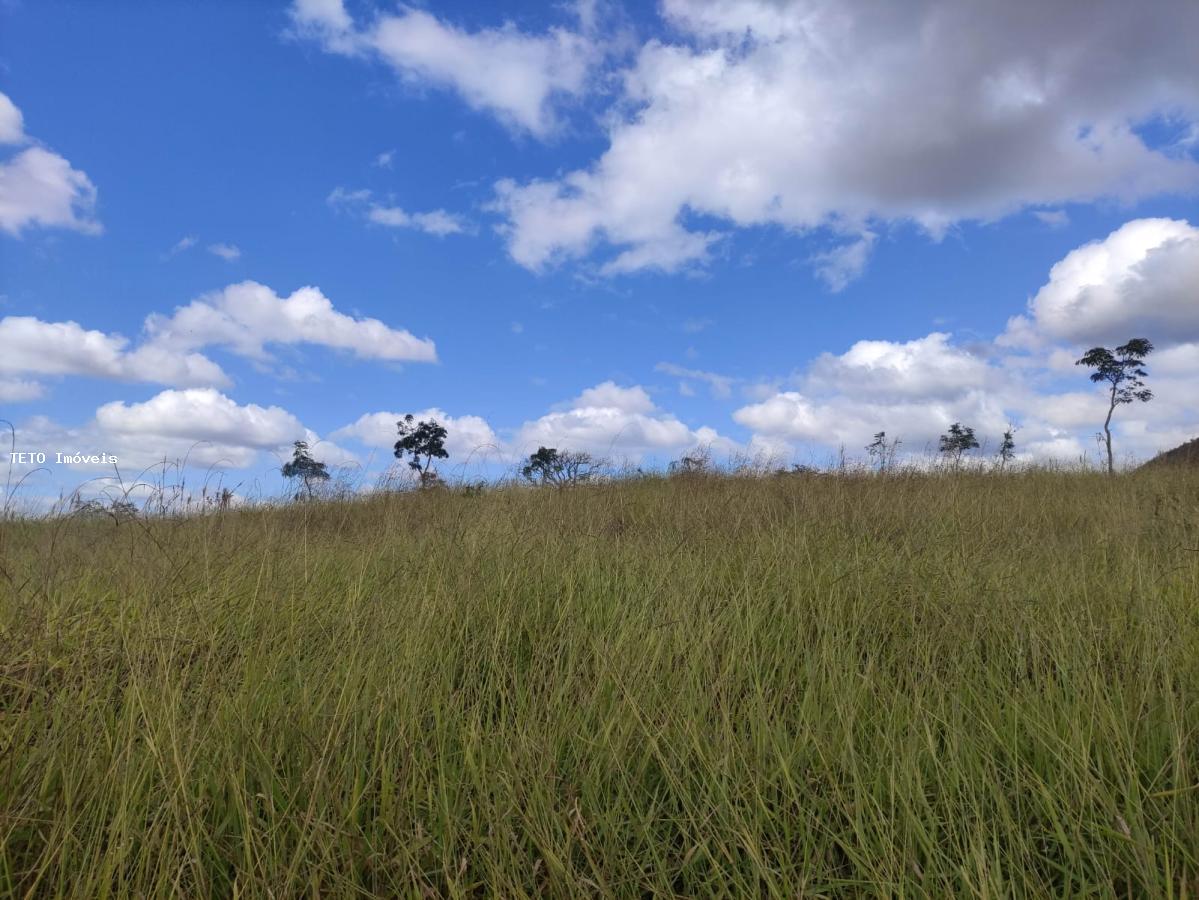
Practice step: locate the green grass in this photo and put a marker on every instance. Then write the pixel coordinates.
(924, 686)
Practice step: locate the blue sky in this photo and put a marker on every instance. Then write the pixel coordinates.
(770, 227)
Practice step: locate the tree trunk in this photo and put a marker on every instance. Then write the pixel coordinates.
(1107, 433)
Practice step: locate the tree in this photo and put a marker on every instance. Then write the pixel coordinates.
(305, 468)
(696, 462)
(1123, 370)
(123, 510)
(1007, 449)
(559, 467)
(421, 439)
(882, 452)
(958, 440)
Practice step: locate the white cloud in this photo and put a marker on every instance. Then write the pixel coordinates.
(843, 264)
(929, 367)
(503, 71)
(34, 347)
(201, 414)
(610, 395)
(16, 390)
(720, 385)
(1139, 281)
(244, 318)
(38, 187)
(184, 243)
(325, 14)
(227, 252)
(913, 390)
(438, 222)
(328, 22)
(722, 19)
(613, 421)
(1054, 218)
(850, 421)
(819, 114)
(203, 427)
(12, 123)
(467, 437)
(384, 159)
(248, 316)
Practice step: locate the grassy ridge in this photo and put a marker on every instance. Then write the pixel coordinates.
(799, 686)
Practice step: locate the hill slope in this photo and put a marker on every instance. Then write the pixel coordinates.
(1183, 455)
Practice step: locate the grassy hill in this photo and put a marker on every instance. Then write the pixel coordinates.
(1183, 455)
(795, 686)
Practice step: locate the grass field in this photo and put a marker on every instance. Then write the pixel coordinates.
(922, 686)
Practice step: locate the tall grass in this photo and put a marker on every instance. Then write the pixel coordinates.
(932, 685)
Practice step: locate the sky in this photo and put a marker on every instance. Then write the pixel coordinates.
(769, 227)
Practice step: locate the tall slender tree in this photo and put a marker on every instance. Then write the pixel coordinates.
(882, 451)
(1007, 449)
(1123, 371)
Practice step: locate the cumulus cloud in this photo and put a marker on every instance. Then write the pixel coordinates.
(247, 317)
(504, 71)
(243, 318)
(38, 187)
(611, 420)
(606, 419)
(12, 123)
(819, 114)
(610, 395)
(915, 389)
(1139, 281)
(200, 425)
(438, 222)
(926, 367)
(34, 347)
(201, 414)
(466, 436)
(849, 421)
(18, 390)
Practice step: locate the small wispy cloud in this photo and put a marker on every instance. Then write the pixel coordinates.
(184, 243)
(227, 252)
(1054, 218)
(436, 222)
(720, 385)
(842, 265)
(384, 159)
